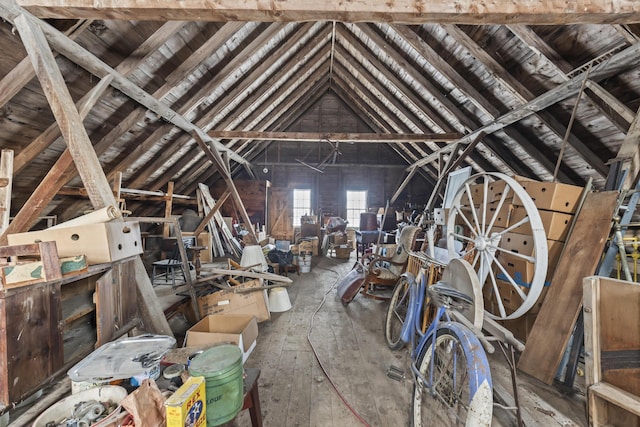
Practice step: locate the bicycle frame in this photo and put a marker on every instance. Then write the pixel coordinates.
(478, 379)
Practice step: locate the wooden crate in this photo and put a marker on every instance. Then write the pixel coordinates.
(612, 350)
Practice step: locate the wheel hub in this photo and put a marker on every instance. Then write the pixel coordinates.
(481, 243)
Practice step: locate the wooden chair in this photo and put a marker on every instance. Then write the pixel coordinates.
(385, 271)
(166, 269)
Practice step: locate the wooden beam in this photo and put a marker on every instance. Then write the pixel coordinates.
(401, 11)
(200, 228)
(204, 142)
(22, 73)
(46, 138)
(613, 104)
(67, 116)
(6, 173)
(335, 136)
(629, 153)
(402, 186)
(565, 71)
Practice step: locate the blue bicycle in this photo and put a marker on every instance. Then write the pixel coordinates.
(452, 379)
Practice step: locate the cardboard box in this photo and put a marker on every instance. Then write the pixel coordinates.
(522, 243)
(496, 188)
(511, 300)
(187, 405)
(226, 301)
(556, 224)
(503, 218)
(552, 196)
(239, 329)
(477, 194)
(308, 245)
(343, 252)
(101, 243)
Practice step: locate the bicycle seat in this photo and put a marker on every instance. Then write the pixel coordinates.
(443, 295)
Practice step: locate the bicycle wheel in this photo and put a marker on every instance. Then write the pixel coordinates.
(397, 313)
(461, 391)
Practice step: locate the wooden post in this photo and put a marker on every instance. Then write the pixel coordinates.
(167, 208)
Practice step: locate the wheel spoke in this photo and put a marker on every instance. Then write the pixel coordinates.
(473, 211)
(529, 258)
(516, 225)
(503, 198)
(485, 191)
(494, 283)
(462, 237)
(510, 279)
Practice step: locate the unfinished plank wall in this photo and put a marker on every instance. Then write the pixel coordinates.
(329, 186)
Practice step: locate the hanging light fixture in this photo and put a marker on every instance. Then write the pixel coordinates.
(265, 169)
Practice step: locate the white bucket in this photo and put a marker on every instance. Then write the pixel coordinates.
(279, 300)
(305, 263)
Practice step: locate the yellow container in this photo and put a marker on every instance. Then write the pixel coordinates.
(187, 406)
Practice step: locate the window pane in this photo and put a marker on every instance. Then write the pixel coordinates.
(301, 205)
(356, 204)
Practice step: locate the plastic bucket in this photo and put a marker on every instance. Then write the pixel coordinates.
(305, 263)
(221, 367)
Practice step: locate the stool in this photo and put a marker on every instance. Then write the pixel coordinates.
(252, 397)
(290, 268)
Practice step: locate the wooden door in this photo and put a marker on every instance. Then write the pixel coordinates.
(281, 213)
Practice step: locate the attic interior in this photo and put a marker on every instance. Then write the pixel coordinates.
(317, 162)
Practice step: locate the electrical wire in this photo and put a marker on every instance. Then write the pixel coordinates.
(315, 353)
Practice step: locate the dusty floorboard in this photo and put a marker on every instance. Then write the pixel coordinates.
(349, 342)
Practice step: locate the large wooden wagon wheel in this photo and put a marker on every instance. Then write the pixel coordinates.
(472, 222)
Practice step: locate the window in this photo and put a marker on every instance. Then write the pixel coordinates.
(301, 205)
(356, 204)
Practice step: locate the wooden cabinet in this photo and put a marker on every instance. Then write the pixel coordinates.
(31, 347)
(47, 327)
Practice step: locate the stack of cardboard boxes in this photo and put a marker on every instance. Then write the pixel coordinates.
(556, 204)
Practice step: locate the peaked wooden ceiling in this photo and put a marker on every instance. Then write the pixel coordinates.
(143, 87)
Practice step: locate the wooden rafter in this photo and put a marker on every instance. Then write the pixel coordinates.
(211, 118)
(22, 73)
(251, 104)
(67, 116)
(561, 68)
(334, 136)
(97, 67)
(143, 174)
(472, 94)
(519, 91)
(447, 107)
(126, 67)
(625, 59)
(348, 35)
(431, 117)
(402, 11)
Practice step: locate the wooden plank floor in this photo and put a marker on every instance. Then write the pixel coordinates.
(350, 343)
